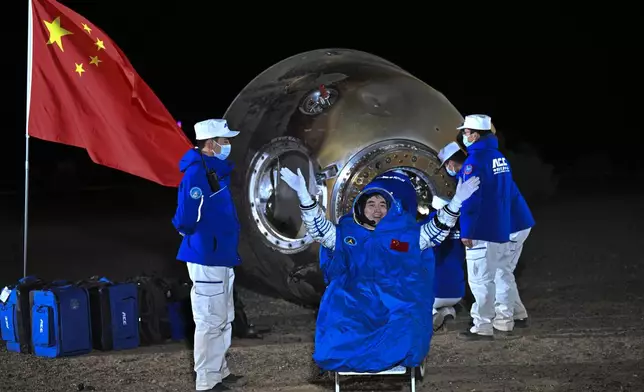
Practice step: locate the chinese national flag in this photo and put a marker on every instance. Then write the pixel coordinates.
(85, 93)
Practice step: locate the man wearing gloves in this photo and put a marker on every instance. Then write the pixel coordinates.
(485, 220)
(207, 220)
(374, 313)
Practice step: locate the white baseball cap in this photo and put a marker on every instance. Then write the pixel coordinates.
(446, 152)
(439, 202)
(209, 129)
(479, 122)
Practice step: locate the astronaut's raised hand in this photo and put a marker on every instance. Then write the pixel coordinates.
(298, 184)
(463, 192)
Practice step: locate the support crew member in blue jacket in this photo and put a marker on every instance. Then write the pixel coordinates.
(509, 309)
(449, 277)
(485, 220)
(452, 157)
(207, 220)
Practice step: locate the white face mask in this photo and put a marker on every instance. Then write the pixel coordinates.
(467, 142)
(225, 151)
(450, 172)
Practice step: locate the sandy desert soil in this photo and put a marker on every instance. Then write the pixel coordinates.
(581, 278)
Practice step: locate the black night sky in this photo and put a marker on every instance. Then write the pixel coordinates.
(564, 81)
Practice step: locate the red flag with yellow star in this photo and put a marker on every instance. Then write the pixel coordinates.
(85, 93)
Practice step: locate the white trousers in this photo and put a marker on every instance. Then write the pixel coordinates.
(483, 260)
(490, 270)
(443, 302)
(508, 302)
(213, 311)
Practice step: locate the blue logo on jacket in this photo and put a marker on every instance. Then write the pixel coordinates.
(350, 240)
(196, 192)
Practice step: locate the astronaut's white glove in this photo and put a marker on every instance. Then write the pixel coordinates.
(298, 184)
(463, 192)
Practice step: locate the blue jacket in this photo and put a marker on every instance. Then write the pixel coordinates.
(485, 216)
(520, 214)
(208, 220)
(376, 312)
(448, 258)
(449, 278)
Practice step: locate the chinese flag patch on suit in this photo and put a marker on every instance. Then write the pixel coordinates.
(399, 246)
(84, 92)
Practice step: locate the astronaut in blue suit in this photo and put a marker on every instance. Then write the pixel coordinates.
(374, 313)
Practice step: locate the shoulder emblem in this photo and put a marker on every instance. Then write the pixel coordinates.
(500, 165)
(350, 241)
(196, 192)
(468, 169)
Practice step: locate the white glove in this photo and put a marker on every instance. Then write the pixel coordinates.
(298, 184)
(463, 192)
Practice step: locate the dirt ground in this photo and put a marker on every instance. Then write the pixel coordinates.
(581, 278)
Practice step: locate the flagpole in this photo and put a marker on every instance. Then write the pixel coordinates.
(30, 43)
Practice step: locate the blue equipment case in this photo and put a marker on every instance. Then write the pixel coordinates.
(177, 321)
(15, 315)
(60, 321)
(114, 312)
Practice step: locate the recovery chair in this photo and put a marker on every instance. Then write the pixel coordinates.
(415, 374)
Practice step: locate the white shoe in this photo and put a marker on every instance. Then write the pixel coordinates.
(503, 325)
(450, 312)
(443, 315)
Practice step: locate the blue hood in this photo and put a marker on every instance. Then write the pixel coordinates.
(400, 187)
(192, 157)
